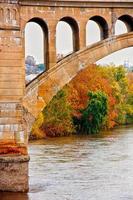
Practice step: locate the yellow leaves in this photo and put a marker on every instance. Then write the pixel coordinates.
(36, 131)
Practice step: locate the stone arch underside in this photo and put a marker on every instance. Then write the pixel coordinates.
(44, 27)
(42, 89)
(103, 26)
(128, 21)
(75, 31)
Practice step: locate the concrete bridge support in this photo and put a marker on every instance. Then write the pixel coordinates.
(13, 148)
(13, 138)
(14, 173)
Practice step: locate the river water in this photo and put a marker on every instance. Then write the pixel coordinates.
(81, 168)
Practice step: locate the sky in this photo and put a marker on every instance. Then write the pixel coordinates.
(34, 42)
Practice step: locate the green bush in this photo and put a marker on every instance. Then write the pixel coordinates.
(94, 115)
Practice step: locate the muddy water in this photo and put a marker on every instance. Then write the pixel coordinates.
(81, 168)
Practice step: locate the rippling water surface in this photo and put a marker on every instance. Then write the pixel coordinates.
(81, 168)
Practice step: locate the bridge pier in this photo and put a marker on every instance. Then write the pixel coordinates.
(14, 173)
(13, 131)
(14, 157)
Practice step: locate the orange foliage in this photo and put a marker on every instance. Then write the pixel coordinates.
(91, 79)
(130, 79)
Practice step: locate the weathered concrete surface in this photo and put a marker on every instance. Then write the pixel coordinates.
(14, 173)
(13, 136)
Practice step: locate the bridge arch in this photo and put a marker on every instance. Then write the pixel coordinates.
(127, 21)
(75, 31)
(42, 24)
(14, 97)
(41, 90)
(102, 24)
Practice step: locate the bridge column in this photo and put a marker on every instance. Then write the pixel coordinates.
(112, 23)
(82, 34)
(13, 138)
(52, 44)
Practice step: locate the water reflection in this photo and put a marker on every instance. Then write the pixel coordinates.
(82, 167)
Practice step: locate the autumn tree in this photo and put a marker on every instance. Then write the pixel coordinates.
(57, 116)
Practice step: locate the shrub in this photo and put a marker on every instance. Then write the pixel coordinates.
(93, 116)
(57, 116)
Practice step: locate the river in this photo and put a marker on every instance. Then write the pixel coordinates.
(81, 168)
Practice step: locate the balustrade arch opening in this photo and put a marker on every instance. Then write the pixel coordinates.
(96, 30)
(124, 24)
(36, 48)
(67, 37)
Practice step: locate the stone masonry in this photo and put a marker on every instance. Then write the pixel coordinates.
(20, 105)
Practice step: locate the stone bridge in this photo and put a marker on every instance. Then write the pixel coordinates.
(20, 105)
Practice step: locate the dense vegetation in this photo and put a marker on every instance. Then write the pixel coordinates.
(98, 97)
(58, 116)
(94, 115)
